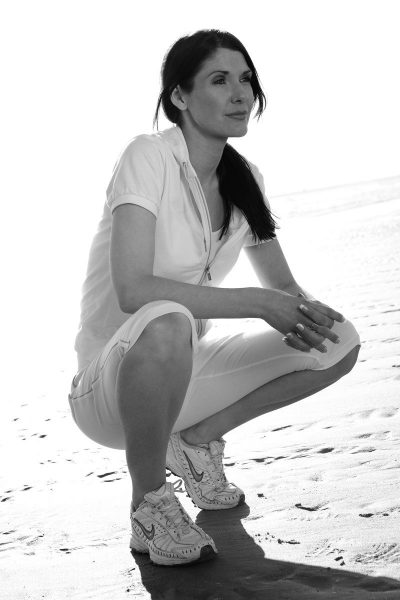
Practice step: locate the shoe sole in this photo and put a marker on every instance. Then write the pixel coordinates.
(206, 553)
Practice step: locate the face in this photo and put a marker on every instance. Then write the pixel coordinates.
(221, 89)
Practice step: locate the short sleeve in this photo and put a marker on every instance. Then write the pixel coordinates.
(249, 239)
(138, 176)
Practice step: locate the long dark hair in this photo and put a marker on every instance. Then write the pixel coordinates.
(237, 184)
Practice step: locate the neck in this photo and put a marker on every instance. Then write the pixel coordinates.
(204, 153)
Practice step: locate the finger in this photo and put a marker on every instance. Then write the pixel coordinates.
(316, 316)
(329, 312)
(327, 333)
(308, 333)
(293, 340)
(312, 338)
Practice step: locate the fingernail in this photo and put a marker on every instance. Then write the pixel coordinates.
(300, 326)
(303, 307)
(284, 339)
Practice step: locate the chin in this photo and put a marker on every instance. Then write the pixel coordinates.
(238, 132)
(228, 132)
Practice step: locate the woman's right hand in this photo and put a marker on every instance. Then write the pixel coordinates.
(304, 323)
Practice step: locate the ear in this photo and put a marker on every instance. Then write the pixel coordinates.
(178, 99)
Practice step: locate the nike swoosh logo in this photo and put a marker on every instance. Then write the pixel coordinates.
(197, 476)
(149, 533)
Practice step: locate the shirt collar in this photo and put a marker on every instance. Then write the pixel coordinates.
(175, 139)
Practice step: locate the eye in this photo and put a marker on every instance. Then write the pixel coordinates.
(219, 81)
(247, 78)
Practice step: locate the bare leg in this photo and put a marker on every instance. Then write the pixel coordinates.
(151, 385)
(275, 394)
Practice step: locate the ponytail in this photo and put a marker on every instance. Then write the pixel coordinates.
(238, 187)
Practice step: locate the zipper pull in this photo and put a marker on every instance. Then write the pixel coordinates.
(208, 274)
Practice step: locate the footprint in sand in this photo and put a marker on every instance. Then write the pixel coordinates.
(365, 413)
(300, 453)
(381, 513)
(304, 426)
(311, 508)
(365, 449)
(267, 459)
(379, 435)
(22, 541)
(325, 548)
(108, 475)
(272, 538)
(379, 553)
(389, 412)
(280, 428)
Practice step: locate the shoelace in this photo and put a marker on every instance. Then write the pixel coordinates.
(174, 513)
(215, 460)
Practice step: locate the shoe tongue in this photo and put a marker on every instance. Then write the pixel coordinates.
(163, 492)
(216, 446)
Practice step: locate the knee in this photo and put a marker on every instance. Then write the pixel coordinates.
(344, 366)
(166, 337)
(348, 335)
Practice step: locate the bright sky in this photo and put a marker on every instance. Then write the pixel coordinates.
(81, 77)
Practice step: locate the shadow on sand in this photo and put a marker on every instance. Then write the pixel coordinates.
(241, 570)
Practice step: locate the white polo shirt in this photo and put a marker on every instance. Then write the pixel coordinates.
(154, 172)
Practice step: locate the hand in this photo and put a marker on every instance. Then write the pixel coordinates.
(312, 334)
(284, 312)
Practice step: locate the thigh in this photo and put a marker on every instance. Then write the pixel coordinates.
(93, 400)
(228, 367)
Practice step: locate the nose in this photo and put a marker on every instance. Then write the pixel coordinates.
(238, 94)
(239, 97)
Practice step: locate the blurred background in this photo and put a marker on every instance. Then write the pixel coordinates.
(81, 78)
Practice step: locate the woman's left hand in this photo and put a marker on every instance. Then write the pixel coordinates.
(305, 337)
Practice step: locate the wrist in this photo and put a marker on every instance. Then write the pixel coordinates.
(295, 290)
(257, 302)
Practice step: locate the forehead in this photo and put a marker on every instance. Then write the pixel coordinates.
(224, 59)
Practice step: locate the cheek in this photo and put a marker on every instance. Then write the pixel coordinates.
(210, 106)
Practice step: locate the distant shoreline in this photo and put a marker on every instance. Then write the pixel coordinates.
(384, 181)
(321, 201)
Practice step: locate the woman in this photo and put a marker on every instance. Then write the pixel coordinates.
(154, 378)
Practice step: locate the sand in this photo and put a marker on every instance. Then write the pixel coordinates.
(322, 477)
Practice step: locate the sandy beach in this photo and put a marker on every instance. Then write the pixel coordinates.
(322, 477)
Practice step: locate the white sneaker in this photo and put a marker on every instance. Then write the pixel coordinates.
(202, 471)
(162, 528)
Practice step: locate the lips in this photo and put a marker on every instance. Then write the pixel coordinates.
(238, 117)
(237, 114)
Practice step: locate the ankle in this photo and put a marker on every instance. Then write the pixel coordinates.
(194, 436)
(138, 495)
(136, 501)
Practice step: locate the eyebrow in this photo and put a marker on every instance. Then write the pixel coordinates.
(247, 72)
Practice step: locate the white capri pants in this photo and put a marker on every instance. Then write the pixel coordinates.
(226, 367)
